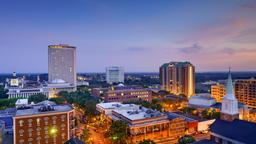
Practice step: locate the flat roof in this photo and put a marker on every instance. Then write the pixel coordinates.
(204, 97)
(175, 115)
(138, 113)
(115, 105)
(61, 46)
(34, 110)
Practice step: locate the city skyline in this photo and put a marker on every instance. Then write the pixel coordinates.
(138, 35)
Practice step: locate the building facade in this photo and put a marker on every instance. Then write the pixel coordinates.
(114, 75)
(126, 95)
(145, 123)
(178, 78)
(44, 123)
(218, 91)
(245, 91)
(21, 88)
(62, 63)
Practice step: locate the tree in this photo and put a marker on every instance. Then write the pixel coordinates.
(58, 100)
(37, 98)
(118, 132)
(186, 140)
(7, 103)
(147, 142)
(85, 135)
(3, 92)
(210, 114)
(81, 99)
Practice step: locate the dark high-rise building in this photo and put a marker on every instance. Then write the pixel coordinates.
(178, 78)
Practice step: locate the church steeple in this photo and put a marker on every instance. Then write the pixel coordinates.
(229, 108)
(229, 87)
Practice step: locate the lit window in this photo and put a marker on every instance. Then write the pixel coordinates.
(38, 121)
(21, 122)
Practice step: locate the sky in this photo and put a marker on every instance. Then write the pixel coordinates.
(139, 35)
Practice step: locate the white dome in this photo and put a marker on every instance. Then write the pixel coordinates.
(58, 81)
(120, 85)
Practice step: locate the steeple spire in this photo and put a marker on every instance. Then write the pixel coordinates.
(229, 87)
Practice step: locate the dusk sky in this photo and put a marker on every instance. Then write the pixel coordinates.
(139, 35)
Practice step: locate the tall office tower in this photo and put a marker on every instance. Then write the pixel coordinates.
(218, 91)
(114, 75)
(245, 91)
(62, 63)
(178, 78)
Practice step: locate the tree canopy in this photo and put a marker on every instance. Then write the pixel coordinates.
(3, 92)
(147, 142)
(118, 132)
(37, 98)
(186, 140)
(7, 103)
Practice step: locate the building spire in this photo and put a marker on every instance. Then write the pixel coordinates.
(229, 87)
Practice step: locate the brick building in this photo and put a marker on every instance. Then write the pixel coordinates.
(43, 123)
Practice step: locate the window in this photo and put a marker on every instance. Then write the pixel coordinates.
(30, 122)
(38, 121)
(21, 123)
(21, 132)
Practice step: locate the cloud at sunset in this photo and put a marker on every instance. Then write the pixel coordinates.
(206, 33)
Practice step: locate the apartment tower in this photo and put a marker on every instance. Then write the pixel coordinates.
(245, 91)
(178, 78)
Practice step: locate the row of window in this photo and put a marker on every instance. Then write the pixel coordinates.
(40, 120)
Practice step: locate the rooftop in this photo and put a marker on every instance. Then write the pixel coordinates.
(138, 113)
(238, 130)
(204, 97)
(111, 105)
(61, 46)
(43, 108)
(175, 115)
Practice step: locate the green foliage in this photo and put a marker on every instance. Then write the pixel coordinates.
(187, 110)
(58, 100)
(81, 99)
(118, 132)
(37, 98)
(3, 92)
(210, 114)
(186, 140)
(7, 103)
(85, 135)
(147, 142)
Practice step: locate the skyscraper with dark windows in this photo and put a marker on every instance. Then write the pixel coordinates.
(178, 78)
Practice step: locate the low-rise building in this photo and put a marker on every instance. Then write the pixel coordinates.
(144, 123)
(22, 88)
(123, 94)
(202, 100)
(43, 123)
(59, 85)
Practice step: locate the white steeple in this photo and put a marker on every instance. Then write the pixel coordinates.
(229, 101)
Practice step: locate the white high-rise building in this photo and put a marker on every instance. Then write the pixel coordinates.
(114, 75)
(62, 64)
